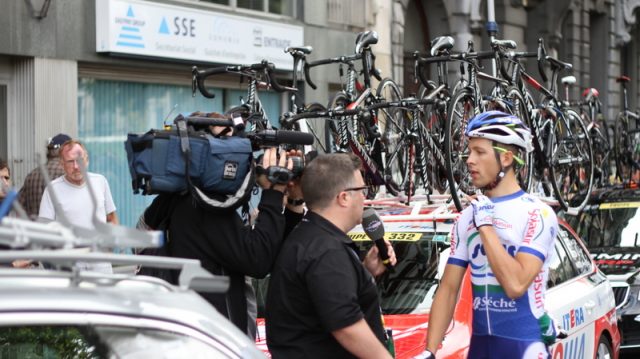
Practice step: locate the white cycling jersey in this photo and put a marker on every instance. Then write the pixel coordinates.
(523, 224)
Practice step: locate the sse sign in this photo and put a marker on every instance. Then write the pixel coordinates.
(141, 28)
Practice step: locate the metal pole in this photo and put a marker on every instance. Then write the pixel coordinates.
(492, 30)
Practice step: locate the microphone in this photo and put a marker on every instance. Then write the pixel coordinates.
(277, 137)
(373, 227)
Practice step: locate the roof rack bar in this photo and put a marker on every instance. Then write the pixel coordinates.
(20, 233)
(192, 275)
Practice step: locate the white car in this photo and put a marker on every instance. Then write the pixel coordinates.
(64, 312)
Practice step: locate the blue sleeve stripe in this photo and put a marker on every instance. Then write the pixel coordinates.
(532, 251)
(458, 262)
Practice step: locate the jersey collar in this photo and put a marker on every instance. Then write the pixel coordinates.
(508, 197)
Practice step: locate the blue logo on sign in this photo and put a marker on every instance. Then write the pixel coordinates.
(130, 31)
(164, 28)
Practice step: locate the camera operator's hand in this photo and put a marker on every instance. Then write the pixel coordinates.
(270, 162)
(294, 200)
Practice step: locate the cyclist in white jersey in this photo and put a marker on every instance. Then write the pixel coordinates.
(506, 238)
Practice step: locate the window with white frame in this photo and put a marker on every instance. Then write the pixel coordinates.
(278, 7)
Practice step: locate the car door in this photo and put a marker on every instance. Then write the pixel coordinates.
(575, 297)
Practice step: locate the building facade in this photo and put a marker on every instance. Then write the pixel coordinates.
(98, 69)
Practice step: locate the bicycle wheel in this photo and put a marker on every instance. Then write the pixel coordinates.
(461, 110)
(571, 160)
(393, 123)
(333, 141)
(622, 148)
(433, 123)
(602, 153)
(518, 107)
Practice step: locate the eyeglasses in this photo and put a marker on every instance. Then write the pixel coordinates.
(364, 189)
(72, 162)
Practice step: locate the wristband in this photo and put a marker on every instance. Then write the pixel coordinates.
(295, 202)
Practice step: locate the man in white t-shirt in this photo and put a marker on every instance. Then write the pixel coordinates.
(72, 192)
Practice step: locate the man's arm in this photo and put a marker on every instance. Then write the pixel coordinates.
(443, 305)
(515, 274)
(360, 341)
(112, 218)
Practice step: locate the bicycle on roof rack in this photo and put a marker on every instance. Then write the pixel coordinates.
(626, 138)
(373, 133)
(562, 148)
(260, 75)
(445, 124)
(299, 54)
(591, 114)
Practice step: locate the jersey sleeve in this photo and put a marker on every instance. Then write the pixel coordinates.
(540, 232)
(47, 210)
(459, 252)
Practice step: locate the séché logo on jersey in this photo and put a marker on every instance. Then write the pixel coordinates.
(532, 224)
(478, 250)
(494, 304)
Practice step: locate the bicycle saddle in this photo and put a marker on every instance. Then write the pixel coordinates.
(623, 78)
(441, 44)
(304, 49)
(364, 39)
(568, 80)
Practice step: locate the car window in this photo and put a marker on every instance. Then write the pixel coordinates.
(608, 225)
(560, 267)
(49, 341)
(575, 251)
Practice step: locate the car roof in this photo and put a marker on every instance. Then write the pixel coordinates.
(134, 297)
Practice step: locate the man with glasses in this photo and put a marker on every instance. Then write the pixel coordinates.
(31, 192)
(72, 193)
(322, 300)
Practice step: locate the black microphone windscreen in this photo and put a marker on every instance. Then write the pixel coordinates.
(294, 137)
(372, 224)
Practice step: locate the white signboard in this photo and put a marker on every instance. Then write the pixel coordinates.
(159, 30)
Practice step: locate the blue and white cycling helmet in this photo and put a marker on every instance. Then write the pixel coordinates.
(502, 128)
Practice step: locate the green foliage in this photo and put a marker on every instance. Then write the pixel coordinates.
(46, 342)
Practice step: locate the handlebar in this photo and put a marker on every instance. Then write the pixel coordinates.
(347, 60)
(542, 55)
(288, 119)
(264, 67)
(307, 77)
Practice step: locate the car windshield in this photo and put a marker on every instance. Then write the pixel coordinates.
(52, 342)
(411, 285)
(608, 225)
(409, 288)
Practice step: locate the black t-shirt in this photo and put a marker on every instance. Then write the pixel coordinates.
(318, 285)
(223, 243)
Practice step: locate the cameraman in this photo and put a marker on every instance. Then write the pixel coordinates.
(222, 242)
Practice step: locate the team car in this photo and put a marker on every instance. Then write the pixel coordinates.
(609, 225)
(579, 299)
(56, 310)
